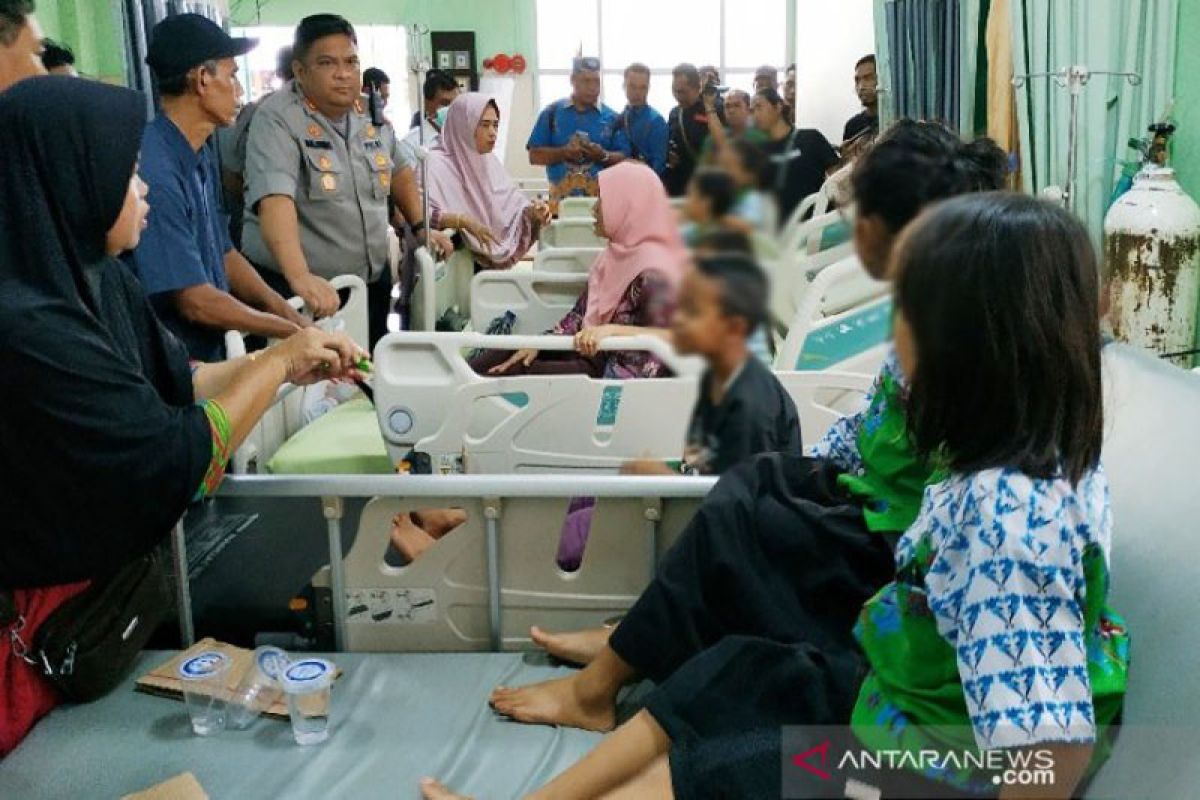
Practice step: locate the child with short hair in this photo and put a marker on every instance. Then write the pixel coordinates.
(754, 210)
(709, 199)
(994, 634)
(742, 409)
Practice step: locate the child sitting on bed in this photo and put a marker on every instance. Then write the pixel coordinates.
(741, 409)
(994, 634)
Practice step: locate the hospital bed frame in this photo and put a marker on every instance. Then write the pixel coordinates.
(440, 286)
(570, 231)
(286, 415)
(836, 302)
(485, 580)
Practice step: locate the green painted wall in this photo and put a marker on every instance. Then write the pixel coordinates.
(500, 26)
(93, 30)
(47, 15)
(1187, 102)
(1187, 97)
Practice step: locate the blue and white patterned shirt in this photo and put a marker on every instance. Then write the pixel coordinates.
(840, 442)
(1007, 589)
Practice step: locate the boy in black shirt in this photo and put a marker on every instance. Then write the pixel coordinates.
(741, 410)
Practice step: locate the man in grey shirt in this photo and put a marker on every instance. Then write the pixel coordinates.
(319, 173)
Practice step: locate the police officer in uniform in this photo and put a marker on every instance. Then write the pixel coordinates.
(319, 173)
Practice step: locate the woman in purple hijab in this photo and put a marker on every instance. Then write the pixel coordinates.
(470, 191)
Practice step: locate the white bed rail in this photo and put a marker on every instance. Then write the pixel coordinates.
(286, 415)
(480, 583)
(537, 299)
(440, 286)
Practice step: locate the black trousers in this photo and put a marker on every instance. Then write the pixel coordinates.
(747, 626)
(379, 300)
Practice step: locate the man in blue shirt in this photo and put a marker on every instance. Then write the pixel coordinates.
(577, 137)
(199, 284)
(644, 128)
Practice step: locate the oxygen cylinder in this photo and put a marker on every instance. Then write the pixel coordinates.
(1152, 255)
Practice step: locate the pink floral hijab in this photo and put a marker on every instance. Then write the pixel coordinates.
(643, 234)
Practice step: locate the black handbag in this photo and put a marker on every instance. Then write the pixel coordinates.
(86, 646)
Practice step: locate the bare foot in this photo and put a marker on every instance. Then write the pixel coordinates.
(434, 790)
(576, 647)
(556, 702)
(437, 522)
(410, 540)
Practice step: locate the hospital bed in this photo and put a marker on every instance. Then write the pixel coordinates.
(436, 413)
(842, 321)
(430, 400)
(286, 416)
(815, 205)
(399, 716)
(441, 286)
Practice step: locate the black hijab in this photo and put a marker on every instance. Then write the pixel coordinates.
(101, 443)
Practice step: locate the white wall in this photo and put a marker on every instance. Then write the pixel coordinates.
(830, 37)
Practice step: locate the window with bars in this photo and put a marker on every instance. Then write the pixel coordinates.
(736, 36)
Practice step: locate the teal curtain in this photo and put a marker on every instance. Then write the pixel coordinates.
(932, 62)
(924, 44)
(1109, 35)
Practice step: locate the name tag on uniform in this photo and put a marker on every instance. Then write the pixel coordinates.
(318, 144)
(372, 144)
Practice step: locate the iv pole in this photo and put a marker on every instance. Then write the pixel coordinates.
(419, 63)
(1073, 78)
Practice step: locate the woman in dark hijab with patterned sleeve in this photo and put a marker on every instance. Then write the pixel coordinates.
(107, 432)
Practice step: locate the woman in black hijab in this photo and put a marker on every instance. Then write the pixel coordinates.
(106, 431)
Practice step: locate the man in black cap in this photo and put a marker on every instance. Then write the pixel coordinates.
(200, 285)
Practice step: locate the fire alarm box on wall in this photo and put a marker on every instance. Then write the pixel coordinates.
(454, 52)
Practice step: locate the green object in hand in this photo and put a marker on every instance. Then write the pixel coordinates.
(363, 364)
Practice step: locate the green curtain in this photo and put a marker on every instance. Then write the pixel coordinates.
(1110, 35)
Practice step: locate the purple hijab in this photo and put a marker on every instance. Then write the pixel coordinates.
(461, 180)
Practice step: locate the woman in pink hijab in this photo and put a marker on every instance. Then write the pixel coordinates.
(631, 287)
(470, 191)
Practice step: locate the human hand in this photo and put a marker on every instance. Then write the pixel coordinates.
(439, 244)
(480, 231)
(312, 355)
(317, 293)
(573, 150)
(595, 152)
(587, 341)
(523, 357)
(539, 213)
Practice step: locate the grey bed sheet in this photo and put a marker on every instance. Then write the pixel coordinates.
(396, 717)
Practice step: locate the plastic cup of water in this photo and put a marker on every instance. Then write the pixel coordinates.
(307, 684)
(259, 687)
(204, 690)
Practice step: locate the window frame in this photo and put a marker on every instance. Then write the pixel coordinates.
(656, 74)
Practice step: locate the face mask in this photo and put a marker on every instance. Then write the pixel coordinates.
(441, 116)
